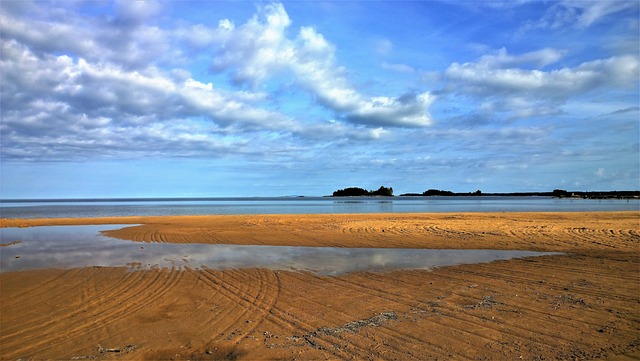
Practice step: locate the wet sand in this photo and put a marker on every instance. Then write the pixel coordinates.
(582, 305)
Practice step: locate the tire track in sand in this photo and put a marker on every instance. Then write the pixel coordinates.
(50, 289)
(581, 314)
(79, 307)
(113, 305)
(356, 342)
(599, 236)
(283, 317)
(511, 326)
(409, 339)
(256, 306)
(588, 312)
(469, 322)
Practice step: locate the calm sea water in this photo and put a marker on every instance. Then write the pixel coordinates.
(304, 205)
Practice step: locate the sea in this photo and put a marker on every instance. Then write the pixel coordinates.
(61, 208)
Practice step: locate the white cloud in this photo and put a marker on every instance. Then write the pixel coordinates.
(259, 50)
(54, 105)
(256, 49)
(129, 43)
(409, 110)
(614, 71)
(109, 96)
(136, 12)
(532, 92)
(60, 108)
(539, 58)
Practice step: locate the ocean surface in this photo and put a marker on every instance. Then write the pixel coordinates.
(303, 205)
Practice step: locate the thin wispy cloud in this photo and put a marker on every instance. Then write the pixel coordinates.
(581, 14)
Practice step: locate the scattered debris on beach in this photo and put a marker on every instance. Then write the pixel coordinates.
(487, 302)
(351, 327)
(125, 349)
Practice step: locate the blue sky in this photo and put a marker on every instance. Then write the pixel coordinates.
(239, 98)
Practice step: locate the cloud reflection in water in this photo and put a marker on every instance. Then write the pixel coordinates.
(84, 246)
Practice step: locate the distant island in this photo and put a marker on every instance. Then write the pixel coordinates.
(359, 192)
(558, 193)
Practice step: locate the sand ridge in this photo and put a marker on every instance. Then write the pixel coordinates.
(581, 305)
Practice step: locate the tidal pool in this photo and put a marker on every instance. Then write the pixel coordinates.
(84, 246)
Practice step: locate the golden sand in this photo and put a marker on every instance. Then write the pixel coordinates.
(581, 305)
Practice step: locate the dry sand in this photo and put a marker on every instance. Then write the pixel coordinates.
(582, 305)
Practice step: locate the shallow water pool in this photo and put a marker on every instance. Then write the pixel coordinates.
(85, 246)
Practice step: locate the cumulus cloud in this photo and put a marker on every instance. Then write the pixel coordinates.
(108, 89)
(503, 86)
(256, 49)
(125, 40)
(260, 50)
(75, 87)
(53, 106)
(612, 71)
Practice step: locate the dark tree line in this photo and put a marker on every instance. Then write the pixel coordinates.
(355, 192)
(437, 192)
(558, 193)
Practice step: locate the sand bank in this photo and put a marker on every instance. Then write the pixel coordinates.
(581, 305)
(563, 231)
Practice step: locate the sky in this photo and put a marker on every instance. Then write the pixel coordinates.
(104, 99)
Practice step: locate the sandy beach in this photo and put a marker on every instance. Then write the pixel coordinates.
(584, 304)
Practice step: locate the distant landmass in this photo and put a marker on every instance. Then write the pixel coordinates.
(559, 193)
(358, 192)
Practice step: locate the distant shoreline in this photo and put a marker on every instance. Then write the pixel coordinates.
(565, 194)
(573, 194)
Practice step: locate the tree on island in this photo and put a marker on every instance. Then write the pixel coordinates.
(382, 191)
(437, 192)
(560, 193)
(351, 192)
(356, 192)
